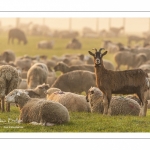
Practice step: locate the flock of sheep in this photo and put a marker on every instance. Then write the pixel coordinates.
(45, 98)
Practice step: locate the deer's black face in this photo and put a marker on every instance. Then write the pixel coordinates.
(97, 58)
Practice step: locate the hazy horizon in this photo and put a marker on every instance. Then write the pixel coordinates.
(132, 25)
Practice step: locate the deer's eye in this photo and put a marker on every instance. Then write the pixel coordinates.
(92, 92)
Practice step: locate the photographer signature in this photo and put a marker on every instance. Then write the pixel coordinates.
(9, 120)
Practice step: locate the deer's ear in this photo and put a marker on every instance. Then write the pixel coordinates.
(104, 53)
(91, 53)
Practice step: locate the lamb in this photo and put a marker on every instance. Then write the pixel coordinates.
(73, 102)
(39, 111)
(39, 92)
(8, 56)
(119, 105)
(130, 59)
(64, 68)
(37, 75)
(77, 81)
(133, 81)
(9, 79)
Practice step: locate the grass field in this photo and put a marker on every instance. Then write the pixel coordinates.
(79, 122)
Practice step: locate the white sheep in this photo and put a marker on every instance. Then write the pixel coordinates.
(38, 111)
(72, 101)
(119, 105)
(9, 80)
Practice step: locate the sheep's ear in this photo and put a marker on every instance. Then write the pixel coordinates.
(91, 53)
(104, 53)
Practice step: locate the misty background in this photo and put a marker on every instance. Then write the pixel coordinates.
(131, 25)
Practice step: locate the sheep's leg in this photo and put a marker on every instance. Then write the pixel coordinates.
(109, 108)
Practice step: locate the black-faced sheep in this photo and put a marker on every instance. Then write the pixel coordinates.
(37, 75)
(120, 82)
(72, 101)
(130, 59)
(37, 110)
(64, 68)
(9, 79)
(119, 105)
(77, 81)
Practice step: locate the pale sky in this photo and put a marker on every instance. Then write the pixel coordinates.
(132, 25)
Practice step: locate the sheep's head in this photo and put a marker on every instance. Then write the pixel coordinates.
(15, 96)
(98, 56)
(42, 89)
(93, 95)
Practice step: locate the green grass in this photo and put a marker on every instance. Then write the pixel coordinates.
(79, 122)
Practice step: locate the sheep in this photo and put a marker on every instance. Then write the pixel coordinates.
(45, 44)
(133, 81)
(9, 79)
(37, 110)
(74, 44)
(18, 34)
(23, 64)
(112, 47)
(38, 92)
(37, 75)
(130, 59)
(64, 68)
(23, 84)
(73, 102)
(77, 81)
(119, 105)
(8, 56)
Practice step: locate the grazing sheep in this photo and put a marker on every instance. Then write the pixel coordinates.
(130, 59)
(135, 39)
(38, 110)
(9, 79)
(77, 81)
(17, 34)
(45, 44)
(119, 105)
(72, 101)
(37, 75)
(64, 68)
(120, 82)
(8, 56)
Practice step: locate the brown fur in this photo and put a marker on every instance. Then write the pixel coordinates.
(119, 82)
